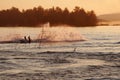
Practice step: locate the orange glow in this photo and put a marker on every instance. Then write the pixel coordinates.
(99, 6)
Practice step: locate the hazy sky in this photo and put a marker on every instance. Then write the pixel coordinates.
(99, 6)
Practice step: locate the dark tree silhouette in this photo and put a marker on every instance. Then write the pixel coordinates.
(55, 16)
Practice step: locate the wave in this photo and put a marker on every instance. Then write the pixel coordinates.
(37, 41)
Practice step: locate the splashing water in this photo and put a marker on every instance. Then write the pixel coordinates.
(60, 34)
(45, 33)
(10, 37)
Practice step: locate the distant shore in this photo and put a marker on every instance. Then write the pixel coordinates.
(55, 16)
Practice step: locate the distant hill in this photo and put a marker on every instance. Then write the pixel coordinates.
(110, 17)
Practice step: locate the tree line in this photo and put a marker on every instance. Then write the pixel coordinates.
(55, 16)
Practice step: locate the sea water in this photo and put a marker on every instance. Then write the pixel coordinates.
(96, 39)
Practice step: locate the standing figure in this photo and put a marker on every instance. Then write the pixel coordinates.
(25, 38)
(29, 39)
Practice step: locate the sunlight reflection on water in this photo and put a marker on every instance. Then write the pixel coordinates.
(100, 39)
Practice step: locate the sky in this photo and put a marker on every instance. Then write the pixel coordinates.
(99, 6)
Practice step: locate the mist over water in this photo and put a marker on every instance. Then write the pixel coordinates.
(60, 34)
(97, 39)
(46, 33)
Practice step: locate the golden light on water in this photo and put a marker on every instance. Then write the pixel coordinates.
(61, 34)
(50, 34)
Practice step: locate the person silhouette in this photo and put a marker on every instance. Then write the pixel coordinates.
(29, 39)
(25, 38)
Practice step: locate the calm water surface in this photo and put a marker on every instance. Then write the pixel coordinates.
(99, 39)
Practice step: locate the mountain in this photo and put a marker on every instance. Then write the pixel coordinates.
(110, 17)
